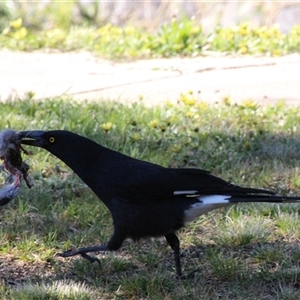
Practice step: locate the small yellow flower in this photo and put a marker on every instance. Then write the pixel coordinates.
(116, 31)
(243, 49)
(249, 104)
(136, 137)
(175, 148)
(16, 23)
(202, 105)
(262, 32)
(107, 126)
(276, 52)
(20, 34)
(227, 33)
(244, 29)
(104, 29)
(169, 103)
(189, 114)
(274, 31)
(153, 123)
(188, 99)
(227, 100)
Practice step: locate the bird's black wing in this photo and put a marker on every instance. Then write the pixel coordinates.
(203, 182)
(140, 181)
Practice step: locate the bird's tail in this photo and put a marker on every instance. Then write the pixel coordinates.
(263, 198)
(228, 199)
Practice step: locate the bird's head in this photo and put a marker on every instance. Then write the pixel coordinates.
(58, 142)
(45, 139)
(79, 153)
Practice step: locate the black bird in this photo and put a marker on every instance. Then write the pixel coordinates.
(144, 199)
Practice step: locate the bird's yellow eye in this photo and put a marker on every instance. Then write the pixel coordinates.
(51, 139)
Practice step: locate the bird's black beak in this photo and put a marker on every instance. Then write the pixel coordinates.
(33, 138)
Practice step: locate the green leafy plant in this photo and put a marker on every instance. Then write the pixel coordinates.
(178, 37)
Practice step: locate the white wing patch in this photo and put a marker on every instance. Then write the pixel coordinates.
(214, 199)
(205, 205)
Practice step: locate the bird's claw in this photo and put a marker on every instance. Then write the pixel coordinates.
(91, 259)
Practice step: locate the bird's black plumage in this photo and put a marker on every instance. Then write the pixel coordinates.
(145, 200)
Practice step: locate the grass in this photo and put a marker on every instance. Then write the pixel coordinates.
(58, 290)
(244, 252)
(177, 37)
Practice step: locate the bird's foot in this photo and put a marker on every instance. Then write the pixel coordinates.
(70, 253)
(91, 259)
(83, 252)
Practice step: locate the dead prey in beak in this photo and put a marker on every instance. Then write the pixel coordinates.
(10, 153)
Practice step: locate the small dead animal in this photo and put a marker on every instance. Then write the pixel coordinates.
(10, 191)
(10, 153)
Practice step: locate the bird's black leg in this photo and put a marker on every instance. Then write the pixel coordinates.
(173, 241)
(83, 252)
(114, 243)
